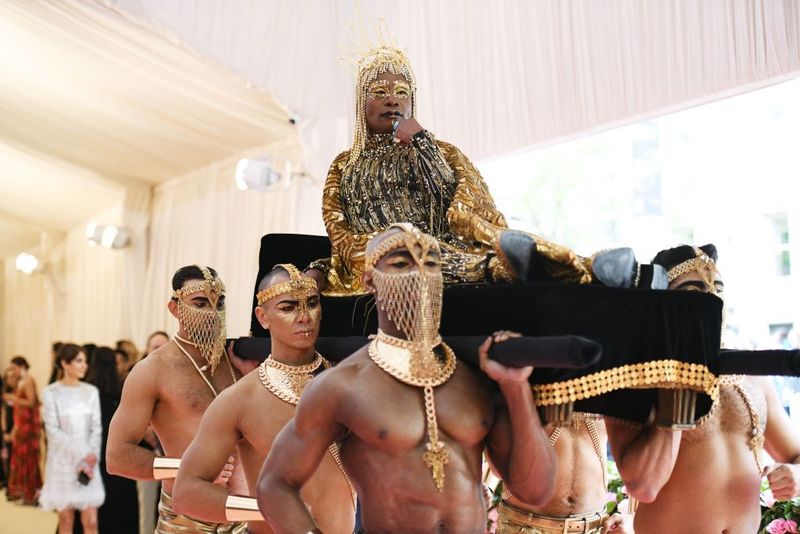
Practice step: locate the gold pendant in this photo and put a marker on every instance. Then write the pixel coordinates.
(436, 458)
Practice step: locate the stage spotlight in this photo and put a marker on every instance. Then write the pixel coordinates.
(256, 174)
(28, 263)
(108, 236)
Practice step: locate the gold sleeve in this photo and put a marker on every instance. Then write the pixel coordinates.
(347, 248)
(472, 213)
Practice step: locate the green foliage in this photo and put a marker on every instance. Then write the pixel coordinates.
(779, 510)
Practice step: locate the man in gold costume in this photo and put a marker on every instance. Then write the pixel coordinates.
(411, 421)
(248, 415)
(171, 390)
(396, 171)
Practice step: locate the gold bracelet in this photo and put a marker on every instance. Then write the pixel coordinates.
(165, 468)
(239, 508)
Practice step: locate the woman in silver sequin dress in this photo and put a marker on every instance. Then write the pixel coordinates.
(74, 432)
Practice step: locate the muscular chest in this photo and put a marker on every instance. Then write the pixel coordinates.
(740, 409)
(261, 426)
(184, 391)
(391, 415)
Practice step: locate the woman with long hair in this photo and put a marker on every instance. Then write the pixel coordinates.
(74, 433)
(120, 512)
(24, 477)
(6, 422)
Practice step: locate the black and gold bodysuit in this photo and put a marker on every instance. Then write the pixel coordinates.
(432, 185)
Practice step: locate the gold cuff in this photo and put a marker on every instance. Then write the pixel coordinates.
(165, 468)
(239, 508)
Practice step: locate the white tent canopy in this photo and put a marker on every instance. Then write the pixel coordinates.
(92, 103)
(135, 112)
(493, 76)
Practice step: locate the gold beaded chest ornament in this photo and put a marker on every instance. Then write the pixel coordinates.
(205, 327)
(370, 61)
(413, 302)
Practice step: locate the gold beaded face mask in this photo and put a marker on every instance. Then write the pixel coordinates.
(301, 288)
(204, 326)
(412, 300)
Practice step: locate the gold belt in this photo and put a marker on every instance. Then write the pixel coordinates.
(582, 523)
(171, 523)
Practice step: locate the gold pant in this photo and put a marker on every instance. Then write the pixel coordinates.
(171, 523)
(512, 520)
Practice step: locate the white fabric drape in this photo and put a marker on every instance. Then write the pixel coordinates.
(78, 298)
(201, 218)
(93, 294)
(495, 76)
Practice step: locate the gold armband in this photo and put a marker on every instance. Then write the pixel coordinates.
(165, 468)
(238, 508)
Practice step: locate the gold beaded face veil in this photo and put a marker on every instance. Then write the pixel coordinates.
(205, 327)
(413, 301)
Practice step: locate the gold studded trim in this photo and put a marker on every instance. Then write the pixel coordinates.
(672, 374)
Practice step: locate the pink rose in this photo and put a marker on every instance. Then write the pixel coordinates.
(782, 526)
(622, 507)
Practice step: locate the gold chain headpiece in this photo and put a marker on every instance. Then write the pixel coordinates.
(409, 237)
(298, 286)
(371, 59)
(702, 263)
(212, 286)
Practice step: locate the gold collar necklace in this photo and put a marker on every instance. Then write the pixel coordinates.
(410, 362)
(396, 357)
(287, 382)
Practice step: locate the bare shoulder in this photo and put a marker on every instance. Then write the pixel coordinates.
(239, 396)
(156, 369)
(764, 387)
(763, 383)
(338, 381)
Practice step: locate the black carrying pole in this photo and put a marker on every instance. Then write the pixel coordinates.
(557, 352)
(760, 362)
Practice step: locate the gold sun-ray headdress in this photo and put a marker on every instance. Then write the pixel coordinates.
(369, 57)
